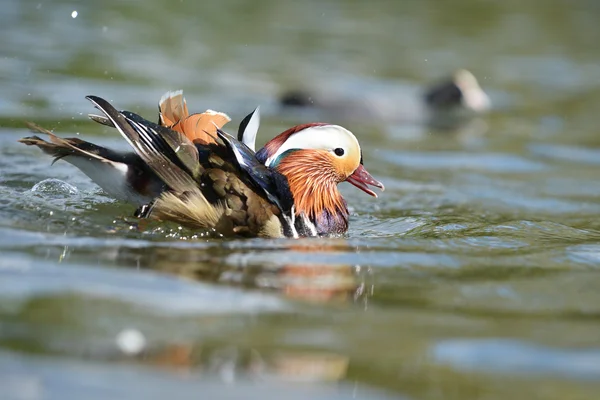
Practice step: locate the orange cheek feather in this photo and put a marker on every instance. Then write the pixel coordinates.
(313, 180)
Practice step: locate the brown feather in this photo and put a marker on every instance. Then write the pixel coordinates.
(173, 108)
(201, 127)
(238, 210)
(191, 209)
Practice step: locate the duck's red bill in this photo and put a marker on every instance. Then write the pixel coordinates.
(362, 179)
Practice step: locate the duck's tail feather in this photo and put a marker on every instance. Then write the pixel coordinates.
(52, 149)
(114, 172)
(59, 147)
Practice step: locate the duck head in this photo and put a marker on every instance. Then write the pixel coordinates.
(315, 158)
(461, 90)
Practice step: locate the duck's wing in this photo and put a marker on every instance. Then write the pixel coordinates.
(274, 185)
(176, 166)
(209, 187)
(172, 109)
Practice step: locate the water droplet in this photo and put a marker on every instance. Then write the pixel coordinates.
(131, 341)
(54, 186)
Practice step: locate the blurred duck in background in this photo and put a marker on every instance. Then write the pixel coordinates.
(444, 104)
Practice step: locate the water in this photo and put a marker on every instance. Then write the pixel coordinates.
(473, 276)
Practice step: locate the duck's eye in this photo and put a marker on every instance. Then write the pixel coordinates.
(339, 152)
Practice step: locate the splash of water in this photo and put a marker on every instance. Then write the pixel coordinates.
(54, 186)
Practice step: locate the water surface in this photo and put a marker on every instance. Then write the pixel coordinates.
(474, 275)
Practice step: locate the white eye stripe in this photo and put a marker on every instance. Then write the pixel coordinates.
(324, 137)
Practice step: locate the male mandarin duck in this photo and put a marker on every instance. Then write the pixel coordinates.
(186, 169)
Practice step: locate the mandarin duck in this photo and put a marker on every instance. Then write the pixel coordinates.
(188, 170)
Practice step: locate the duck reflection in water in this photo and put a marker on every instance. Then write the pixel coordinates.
(296, 269)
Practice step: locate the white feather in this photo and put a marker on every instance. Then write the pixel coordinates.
(474, 97)
(291, 221)
(169, 95)
(213, 112)
(310, 225)
(324, 137)
(251, 130)
(111, 177)
(239, 157)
